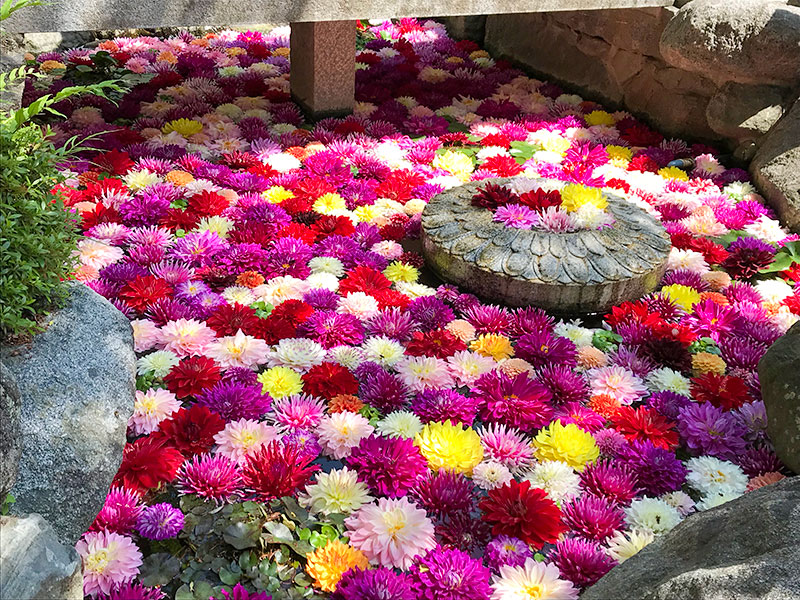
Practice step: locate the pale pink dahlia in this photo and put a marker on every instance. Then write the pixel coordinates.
(617, 382)
(186, 337)
(392, 532)
(150, 408)
(109, 559)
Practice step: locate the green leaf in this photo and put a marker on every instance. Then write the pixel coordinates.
(280, 532)
(229, 578)
(242, 535)
(731, 236)
(159, 569)
(184, 593)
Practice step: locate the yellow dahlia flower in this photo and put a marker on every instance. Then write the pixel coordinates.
(457, 164)
(568, 443)
(280, 382)
(705, 362)
(399, 271)
(494, 345)
(599, 117)
(277, 194)
(574, 195)
(673, 173)
(326, 565)
(185, 127)
(451, 447)
(682, 295)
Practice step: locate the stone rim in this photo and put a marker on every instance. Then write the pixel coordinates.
(595, 269)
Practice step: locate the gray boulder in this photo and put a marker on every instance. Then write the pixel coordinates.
(776, 167)
(746, 549)
(77, 385)
(34, 565)
(747, 41)
(741, 111)
(10, 448)
(779, 374)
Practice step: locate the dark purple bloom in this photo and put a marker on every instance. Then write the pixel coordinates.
(706, 429)
(374, 584)
(160, 522)
(389, 466)
(450, 574)
(233, 401)
(658, 470)
(506, 550)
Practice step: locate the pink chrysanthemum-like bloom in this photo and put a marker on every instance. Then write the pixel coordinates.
(186, 337)
(507, 446)
(216, 478)
(617, 382)
(516, 215)
(238, 350)
(150, 408)
(298, 411)
(109, 559)
(392, 532)
(423, 372)
(340, 432)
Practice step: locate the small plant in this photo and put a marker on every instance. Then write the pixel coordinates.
(37, 235)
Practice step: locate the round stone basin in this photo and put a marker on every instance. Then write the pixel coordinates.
(568, 273)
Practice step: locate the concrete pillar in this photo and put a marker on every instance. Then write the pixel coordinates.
(323, 73)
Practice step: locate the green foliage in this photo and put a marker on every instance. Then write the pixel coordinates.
(5, 508)
(261, 546)
(785, 258)
(37, 236)
(604, 340)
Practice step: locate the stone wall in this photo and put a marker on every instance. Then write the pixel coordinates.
(618, 57)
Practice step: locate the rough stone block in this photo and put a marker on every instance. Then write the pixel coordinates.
(742, 111)
(466, 27)
(747, 41)
(34, 565)
(10, 446)
(776, 167)
(323, 69)
(77, 383)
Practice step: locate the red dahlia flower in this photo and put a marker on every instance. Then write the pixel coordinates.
(328, 380)
(144, 291)
(192, 430)
(148, 462)
(645, 424)
(517, 510)
(191, 376)
(277, 470)
(363, 279)
(228, 319)
(723, 391)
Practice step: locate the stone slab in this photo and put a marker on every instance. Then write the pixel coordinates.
(69, 15)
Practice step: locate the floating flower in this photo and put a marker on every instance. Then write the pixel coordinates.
(326, 565)
(449, 446)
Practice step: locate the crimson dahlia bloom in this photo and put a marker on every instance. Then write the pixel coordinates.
(518, 510)
(519, 402)
(277, 470)
(147, 463)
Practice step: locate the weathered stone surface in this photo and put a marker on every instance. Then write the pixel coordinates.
(776, 167)
(747, 41)
(742, 111)
(10, 447)
(746, 549)
(68, 15)
(11, 56)
(34, 565)
(466, 28)
(580, 272)
(77, 384)
(779, 374)
(612, 56)
(323, 75)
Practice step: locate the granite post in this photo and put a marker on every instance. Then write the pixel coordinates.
(323, 74)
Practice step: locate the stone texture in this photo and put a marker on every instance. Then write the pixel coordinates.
(741, 111)
(68, 15)
(323, 74)
(611, 56)
(747, 41)
(581, 272)
(466, 28)
(746, 549)
(11, 56)
(779, 374)
(77, 384)
(10, 447)
(34, 565)
(776, 167)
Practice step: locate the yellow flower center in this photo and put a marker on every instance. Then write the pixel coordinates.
(533, 591)
(97, 562)
(395, 521)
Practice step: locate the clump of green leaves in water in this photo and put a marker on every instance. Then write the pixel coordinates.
(37, 235)
(261, 546)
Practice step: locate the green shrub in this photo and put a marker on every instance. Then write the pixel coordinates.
(37, 236)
